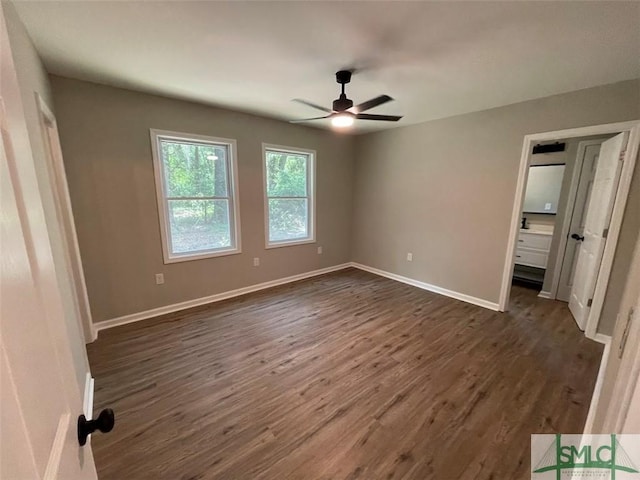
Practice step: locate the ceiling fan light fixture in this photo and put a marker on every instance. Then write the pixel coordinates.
(344, 113)
(342, 120)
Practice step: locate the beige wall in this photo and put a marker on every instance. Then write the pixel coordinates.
(444, 189)
(33, 79)
(104, 133)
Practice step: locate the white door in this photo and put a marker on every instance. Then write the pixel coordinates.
(587, 166)
(600, 206)
(40, 399)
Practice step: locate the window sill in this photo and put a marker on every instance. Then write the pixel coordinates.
(290, 243)
(201, 256)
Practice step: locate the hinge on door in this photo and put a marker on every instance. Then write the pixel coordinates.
(589, 302)
(605, 233)
(622, 154)
(625, 334)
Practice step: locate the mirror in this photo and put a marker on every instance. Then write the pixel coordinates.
(543, 189)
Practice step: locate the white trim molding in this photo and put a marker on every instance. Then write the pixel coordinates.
(597, 390)
(196, 302)
(545, 294)
(62, 200)
(602, 338)
(427, 286)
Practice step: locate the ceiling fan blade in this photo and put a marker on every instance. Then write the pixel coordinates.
(374, 102)
(384, 118)
(307, 119)
(312, 105)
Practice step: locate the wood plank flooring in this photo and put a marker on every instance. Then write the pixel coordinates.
(344, 376)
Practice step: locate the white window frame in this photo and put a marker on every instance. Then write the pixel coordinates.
(311, 194)
(163, 210)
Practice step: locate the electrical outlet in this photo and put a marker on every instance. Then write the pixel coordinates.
(409, 257)
(319, 250)
(547, 206)
(256, 261)
(159, 278)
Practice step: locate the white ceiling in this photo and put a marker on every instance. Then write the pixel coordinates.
(437, 59)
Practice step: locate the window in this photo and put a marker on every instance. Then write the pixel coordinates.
(289, 191)
(197, 190)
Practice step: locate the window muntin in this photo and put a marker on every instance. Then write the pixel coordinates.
(196, 183)
(288, 195)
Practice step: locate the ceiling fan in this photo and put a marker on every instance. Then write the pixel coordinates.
(344, 113)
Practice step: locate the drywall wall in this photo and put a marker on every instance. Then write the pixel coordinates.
(33, 80)
(443, 190)
(104, 132)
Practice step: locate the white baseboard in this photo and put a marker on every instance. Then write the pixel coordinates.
(545, 294)
(602, 338)
(93, 331)
(87, 404)
(427, 286)
(597, 390)
(196, 302)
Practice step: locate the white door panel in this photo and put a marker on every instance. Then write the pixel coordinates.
(587, 167)
(40, 397)
(598, 216)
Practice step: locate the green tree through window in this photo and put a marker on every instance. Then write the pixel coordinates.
(198, 197)
(288, 196)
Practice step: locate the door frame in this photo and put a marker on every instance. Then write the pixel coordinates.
(568, 214)
(631, 153)
(60, 189)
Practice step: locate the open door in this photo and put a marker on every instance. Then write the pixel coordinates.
(594, 237)
(40, 400)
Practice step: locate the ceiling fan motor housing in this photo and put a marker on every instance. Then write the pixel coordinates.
(343, 103)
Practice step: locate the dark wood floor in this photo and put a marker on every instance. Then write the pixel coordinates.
(344, 376)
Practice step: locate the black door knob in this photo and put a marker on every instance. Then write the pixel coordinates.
(105, 422)
(575, 236)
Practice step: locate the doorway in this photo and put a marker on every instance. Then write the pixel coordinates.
(593, 287)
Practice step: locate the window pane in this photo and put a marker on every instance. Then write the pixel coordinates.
(286, 174)
(199, 225)
(194, 170)
(288, 219)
